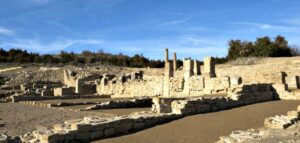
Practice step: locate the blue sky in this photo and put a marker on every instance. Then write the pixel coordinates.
(193, 28)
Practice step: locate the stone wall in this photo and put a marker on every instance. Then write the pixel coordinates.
(39, 98)
(134, 103)
(91, 128)
(237, 96)
(264, 72)
(152, 86)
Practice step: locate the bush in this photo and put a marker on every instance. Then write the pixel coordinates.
(262, 47)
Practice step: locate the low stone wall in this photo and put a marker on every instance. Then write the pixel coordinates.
(161, 104)
(150, 87)
(92, 128)
(264, 72)
(134, 103)
(237, 96)
(39, 98)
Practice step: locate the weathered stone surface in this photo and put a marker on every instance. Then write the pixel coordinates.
(96, 135)
(109, 132)
(279, 122)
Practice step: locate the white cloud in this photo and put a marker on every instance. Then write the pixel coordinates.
(185, 46)
(175, 22)
(7, 32)
(266, 26)
(37, 46)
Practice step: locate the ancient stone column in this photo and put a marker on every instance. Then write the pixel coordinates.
(169, 70)
(188, 72)
(166, 56)
(174, 61)
(196, 68)
(167, 74)
(209, 67)
(78, 86)
(187, 68)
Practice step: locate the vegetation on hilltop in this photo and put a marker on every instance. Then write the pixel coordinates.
(22, 56)
(262, 47)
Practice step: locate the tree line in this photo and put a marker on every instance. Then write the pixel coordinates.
(22, 56)
(262, 47)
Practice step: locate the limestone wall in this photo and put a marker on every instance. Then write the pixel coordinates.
(92, 128)
(265, 72)
(153, 86)
(238, 96)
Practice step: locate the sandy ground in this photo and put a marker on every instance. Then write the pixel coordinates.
(16, 119)
(207, 128)
(85, 100)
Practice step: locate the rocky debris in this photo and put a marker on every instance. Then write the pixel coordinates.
(3, 138)
(31, 75)
(277, 129)
(279, 122)
(246, 61)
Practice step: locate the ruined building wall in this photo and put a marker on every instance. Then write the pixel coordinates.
(265, 72)
(152, 86)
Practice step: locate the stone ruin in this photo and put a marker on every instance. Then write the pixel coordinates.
(192, 80)
(180, 91)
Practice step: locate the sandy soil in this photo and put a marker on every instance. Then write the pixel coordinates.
(207, 128)
(122, 111)
(16, 119)
(85, 100)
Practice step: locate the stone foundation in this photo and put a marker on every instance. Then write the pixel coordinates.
(91, 128)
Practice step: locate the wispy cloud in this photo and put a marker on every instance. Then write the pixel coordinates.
(7, 32)
(292, 21)
(39, 1)
(175, 22)
(184, 46)
(266, 26)
(37, 46)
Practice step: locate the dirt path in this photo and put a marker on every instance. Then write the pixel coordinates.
(16, 119)
(207, 128)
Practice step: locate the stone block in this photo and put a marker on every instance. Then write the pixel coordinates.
(188, 68)
(109, 132)
(235, 80)
(278, 122)
(62, 91)
(96, 135)
(51, 137)
(138, 125)
(280, 87)
(209, 67)
(124, 126)
(81, 127)
(295, 114)
(82, 135)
